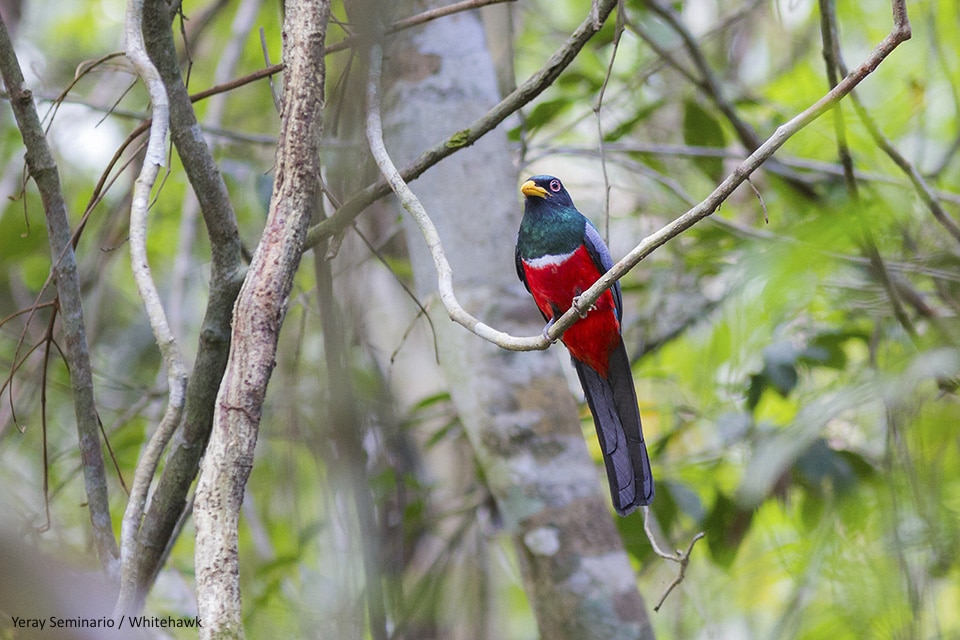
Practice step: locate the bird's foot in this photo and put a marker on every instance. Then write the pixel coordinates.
(580, 311)
(546, 329)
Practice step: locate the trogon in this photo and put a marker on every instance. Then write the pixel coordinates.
(559, 255)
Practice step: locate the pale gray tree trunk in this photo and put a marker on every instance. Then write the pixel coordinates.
(516, 407)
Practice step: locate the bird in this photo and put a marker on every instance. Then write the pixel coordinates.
(559, 255)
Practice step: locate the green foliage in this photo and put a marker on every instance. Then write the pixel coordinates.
(701, 129)
(797, 378)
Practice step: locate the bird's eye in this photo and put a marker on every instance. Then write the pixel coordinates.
(555, 185)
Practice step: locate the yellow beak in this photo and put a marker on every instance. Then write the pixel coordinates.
(530, 188)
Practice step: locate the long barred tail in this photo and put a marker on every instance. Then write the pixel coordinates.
(613, 403)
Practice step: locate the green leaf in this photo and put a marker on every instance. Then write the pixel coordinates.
(820, 466)
(779, 371)
(757, 384)
(780, 359)
(725, 528)
(703, 130)
(546, 111)
(827, 349)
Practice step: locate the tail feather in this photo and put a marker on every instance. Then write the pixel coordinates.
(613, 403)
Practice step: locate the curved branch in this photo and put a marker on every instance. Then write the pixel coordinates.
(410, 202)
(176, 372)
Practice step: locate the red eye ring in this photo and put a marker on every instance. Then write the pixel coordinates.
(555, 185)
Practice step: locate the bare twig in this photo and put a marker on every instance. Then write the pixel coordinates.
(684, 559)
(266, 58)
(421, 310)
(48, 340)
(82, 70)
(680, 557)
(19, 361)
(763, 205)
(439, 12)
(923, 189)
(831, 57)
(601, 147)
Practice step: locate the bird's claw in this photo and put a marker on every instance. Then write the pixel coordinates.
(546, 330)
(581, 312)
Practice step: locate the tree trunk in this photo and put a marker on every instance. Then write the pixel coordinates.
(259, 314)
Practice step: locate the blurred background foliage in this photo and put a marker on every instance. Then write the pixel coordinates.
(797, 375)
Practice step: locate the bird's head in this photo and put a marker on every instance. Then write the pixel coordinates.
(548, 189)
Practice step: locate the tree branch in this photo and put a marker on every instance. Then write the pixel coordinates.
(680, 557)
(711, 86)
(410, 202)
(830, 35)
(176, 372)
(825, 169)
(43, 170)
(923, 189)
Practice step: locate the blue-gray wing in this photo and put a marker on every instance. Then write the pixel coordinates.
(597, 249)
(518, 263)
